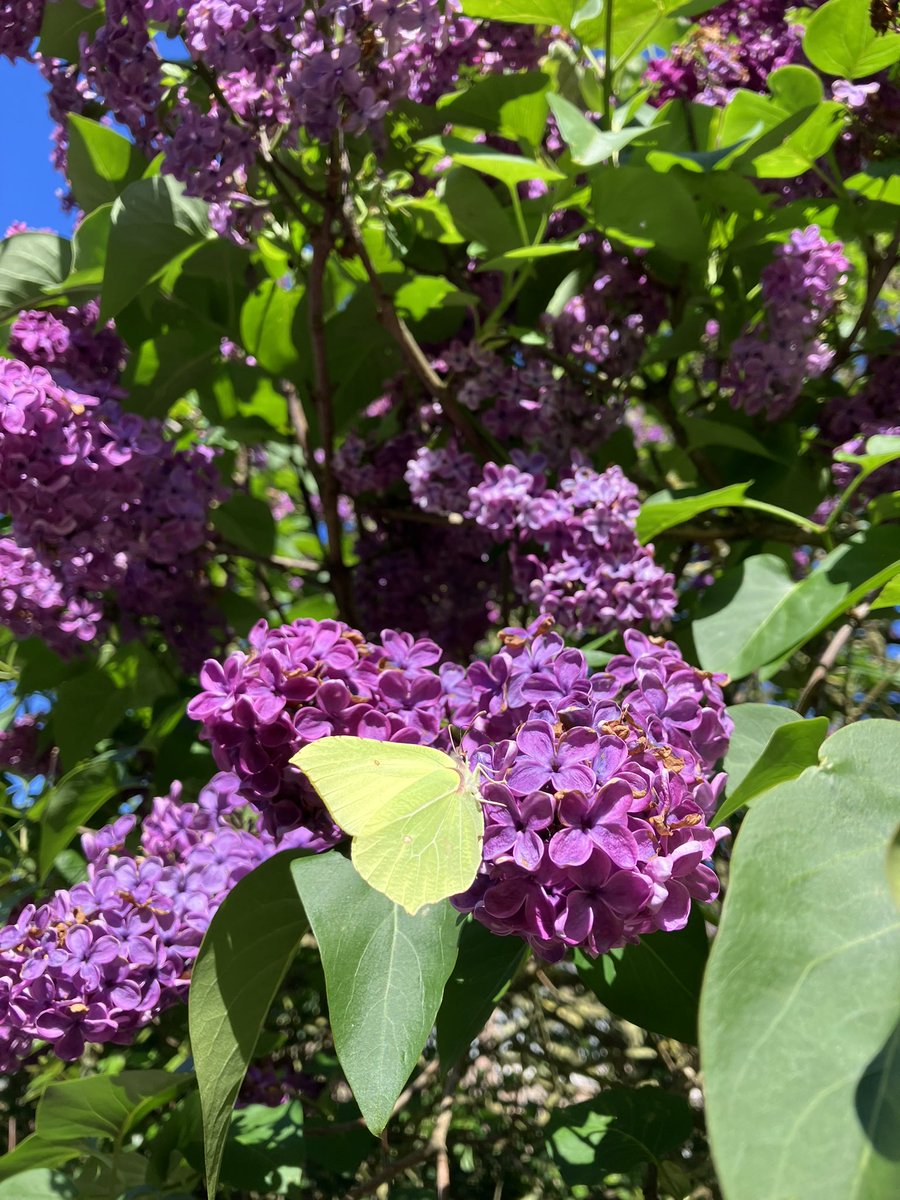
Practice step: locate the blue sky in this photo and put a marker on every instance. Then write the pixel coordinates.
(28, 183)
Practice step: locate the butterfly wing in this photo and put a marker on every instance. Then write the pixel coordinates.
(358, 778)
(426, 844)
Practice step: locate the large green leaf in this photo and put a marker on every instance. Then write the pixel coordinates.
(477, 213)
(658, 515)
(265, 1150)
(485, 967)
(588, 144)
(634, 204)
(247, 523)
(30, 264)
(32, 1152)
(802, 995)
(508, 168)
(515, 106)
(104, 1106)
(789, 128)
(840, 40)
(267, 326)
(616, 1131)
(754, 724)
(38, 1184)
(71, 803)
(523, 12)
(655, 984)
(792, 748)
(385, 973)
(245, 954)
(90, 705)
(153, 223)
(754, 615)
(101, 162)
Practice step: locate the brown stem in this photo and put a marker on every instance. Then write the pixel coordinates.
(829, 656)
(322, 243)
(388, 1173)
(415, 357)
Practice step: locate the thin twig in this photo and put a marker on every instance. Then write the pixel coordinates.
(829, 656)
(389, 1172)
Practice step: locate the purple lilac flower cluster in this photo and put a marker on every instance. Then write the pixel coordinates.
(67, 343)
(434, 580)
(99, 960)
(300, 682)
(734, 45)
(574, 550)
(769, 363)
(98, 501)
(607, 325)
(598, 789)
(523, 398)
(20, 23)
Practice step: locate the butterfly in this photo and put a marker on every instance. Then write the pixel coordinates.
(414, 814)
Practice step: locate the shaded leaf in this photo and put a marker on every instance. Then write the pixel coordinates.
(71, 803)
(616, 1131)
(485, 966)
(245, 954)
(385, 973)
(30, 264)
(101, 162)
(655, 984)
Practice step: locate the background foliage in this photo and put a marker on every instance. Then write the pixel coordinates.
(444, 319)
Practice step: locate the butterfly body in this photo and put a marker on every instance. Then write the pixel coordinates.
(413, 812)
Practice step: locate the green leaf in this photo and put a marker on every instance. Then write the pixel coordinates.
(790, 128)
(89, 706)
(385, 973)
(631, 203)
(588, 144)
(759, 617)
(425, 293)
(265, 1150)
(247, 523)
(616, 1131)
(245, 954)
(655, 984)
(658, 515)
(893, 867)
(101, 162)
(792, 748)
(889, 596)
(39, 1184)
(71, 803)
(840, 40)
(477, 213)
(104, 1106)
(166, 368)
(63, 24)
(485, 967)
(881, 183)
(523, 12)
(267, 326)
(880, 451)
(508, 168)
(803, 984)
(754, 724)
(514, 106)
(34, 1152)
(30, 264)
(153, 223)
(89, 244)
